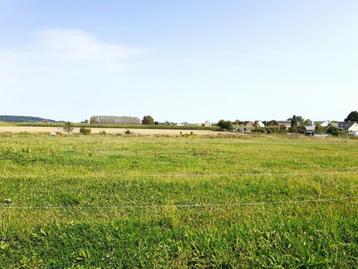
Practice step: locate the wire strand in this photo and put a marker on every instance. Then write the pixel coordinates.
(334, 199)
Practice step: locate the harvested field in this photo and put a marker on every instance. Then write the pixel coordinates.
(135, 131)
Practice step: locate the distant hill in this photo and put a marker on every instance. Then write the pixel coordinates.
(8, 118)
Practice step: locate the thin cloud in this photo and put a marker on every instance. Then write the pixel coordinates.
(63, 50)
(77, 44)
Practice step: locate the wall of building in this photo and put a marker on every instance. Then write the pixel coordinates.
(114, 120)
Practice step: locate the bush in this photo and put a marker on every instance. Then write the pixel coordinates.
(333, 131)
(319, 129)
(148, 120)
(275, 130)
(258, 130)
(128, 132)
(68, 127)
(225, 125)
(85, 131)
(297, 129)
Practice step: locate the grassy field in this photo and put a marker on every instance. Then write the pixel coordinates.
(178, 202)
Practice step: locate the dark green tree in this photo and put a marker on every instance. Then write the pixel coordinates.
(308, 122)
(297, 121)
(353, 116)
(301, 120)
(148, 120)
(272, 123)
(294, 121)
(225, 125)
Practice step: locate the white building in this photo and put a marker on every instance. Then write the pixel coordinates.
(350, 127)
(353, 130)
(325, 123)
(259, 124)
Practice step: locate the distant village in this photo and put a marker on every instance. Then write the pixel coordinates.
(295, 124)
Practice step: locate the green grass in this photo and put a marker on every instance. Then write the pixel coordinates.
(137, 202)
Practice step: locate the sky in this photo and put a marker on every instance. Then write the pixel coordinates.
(180, 60)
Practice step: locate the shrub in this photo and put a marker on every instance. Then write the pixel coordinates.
(297, 129)
(68, 127)
(225, 125)
(319, 129)
(333, 131)
(148, 120)
(85, 131)
(258, 130)
(275, 130)
(128, 132)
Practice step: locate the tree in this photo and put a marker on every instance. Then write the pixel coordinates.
(333, 130)
(294, 121)
(353, 116)
(272, 123)
(68, 127)
(238, 122)
(85, 131)
(319, 129)
(308, 122)
(300, 120)
(297, 121)
(148, 120)
(225, 125)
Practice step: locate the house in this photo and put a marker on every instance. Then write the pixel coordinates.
(310, 130)
(353, 130)
(206, 124)
(334, 124)
(325, 124)
(344, 125)
(188, 124)
(285, 124)
(249, 126)
(240, 129)
(259, 124)
(350, 127)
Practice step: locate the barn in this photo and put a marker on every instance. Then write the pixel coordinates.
(114, 120)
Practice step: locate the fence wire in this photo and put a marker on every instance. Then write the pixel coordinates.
(196, 205)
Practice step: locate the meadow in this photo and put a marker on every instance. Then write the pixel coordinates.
(178, 202)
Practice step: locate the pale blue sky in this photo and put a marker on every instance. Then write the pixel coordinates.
(187, 60)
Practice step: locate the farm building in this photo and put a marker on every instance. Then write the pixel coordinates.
(259, 124)
(350, 127)
(285, 124)
(310, 130)
(189, 124)
(249, 126)
(324, 124)
(114, 120)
